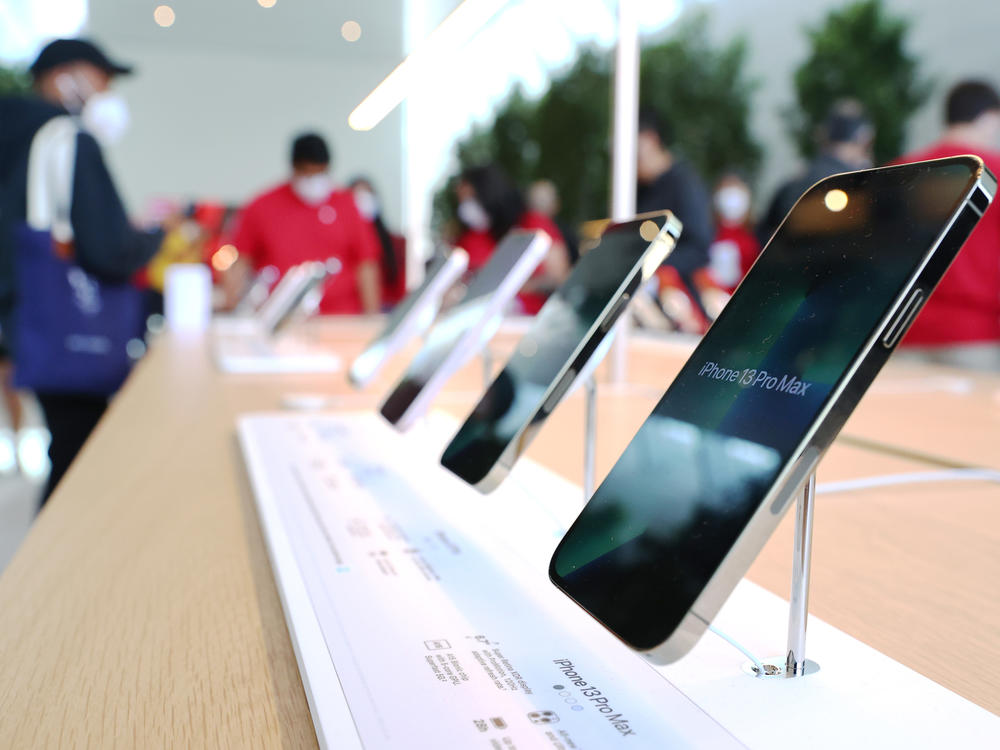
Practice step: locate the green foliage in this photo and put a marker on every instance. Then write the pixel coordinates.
(565, 135)
(859, 52)
(14, 81)
(702, 93)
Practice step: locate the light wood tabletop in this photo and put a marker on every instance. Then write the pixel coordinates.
(141, 610)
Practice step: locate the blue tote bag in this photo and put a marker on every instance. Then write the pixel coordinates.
(71, 329)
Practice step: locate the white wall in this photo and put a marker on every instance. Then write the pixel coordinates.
(220, 126)
(217, 97)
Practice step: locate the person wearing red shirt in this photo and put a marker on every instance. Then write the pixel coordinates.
(960, 322)
(735, 247)
(306, 219)
(392, 263)
(489, 206)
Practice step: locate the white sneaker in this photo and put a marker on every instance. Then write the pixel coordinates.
(33, 452)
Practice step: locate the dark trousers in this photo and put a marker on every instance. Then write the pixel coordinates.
(71, 418)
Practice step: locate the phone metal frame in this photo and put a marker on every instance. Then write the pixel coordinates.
(479, 331)
(827, 424)
(577, 363)
(418, 319)
(308, 277)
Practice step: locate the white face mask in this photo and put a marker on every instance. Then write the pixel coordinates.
(105, 116)
(367, 204)
(313, 189)
(732, 203)
(473, 215)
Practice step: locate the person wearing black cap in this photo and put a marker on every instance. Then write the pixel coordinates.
(54, 185)
(846, 141)
(668, 181)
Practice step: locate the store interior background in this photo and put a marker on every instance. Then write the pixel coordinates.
(218, 94)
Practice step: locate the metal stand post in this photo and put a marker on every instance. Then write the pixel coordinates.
(794, 663)
(589, 435)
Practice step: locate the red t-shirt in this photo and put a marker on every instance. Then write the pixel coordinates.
(746, 246)
(280, 229)
(965, 307)
(480, 245)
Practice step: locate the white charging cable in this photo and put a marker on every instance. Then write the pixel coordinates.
(917, 477)
(886, 480)
(737, 645)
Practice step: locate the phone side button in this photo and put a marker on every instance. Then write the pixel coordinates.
(559, 391)
(612, 316)
(904, 317)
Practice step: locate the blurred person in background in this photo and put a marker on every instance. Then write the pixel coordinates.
(543, 198)
(193, 237)
(306, 218)
(489, 206)
(735, 247)
(392, 264)
(71, 77)
(846, 140)
(668, 181)
(960, 322)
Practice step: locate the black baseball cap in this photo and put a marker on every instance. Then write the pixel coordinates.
(63, 51)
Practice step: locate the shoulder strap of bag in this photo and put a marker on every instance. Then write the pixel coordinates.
(51, 167)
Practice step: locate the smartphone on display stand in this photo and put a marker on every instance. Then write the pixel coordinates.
(303, 294)
(677, 522)
(257, 292)
(410, 318)
(462, 331)
(556, 350)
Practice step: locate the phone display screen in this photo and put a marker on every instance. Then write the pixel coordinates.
(519, 391)
(373, 355)
(663, 520)
(450, 327)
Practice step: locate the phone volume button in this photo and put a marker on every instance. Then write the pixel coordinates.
(613, 313)
(559, 391)
(904, 316)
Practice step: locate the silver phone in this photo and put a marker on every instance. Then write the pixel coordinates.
(558, 348)
(410, 318)
(463, 330)
(700, 488)
(302, 294)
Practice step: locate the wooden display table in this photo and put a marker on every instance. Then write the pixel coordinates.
(141, 610)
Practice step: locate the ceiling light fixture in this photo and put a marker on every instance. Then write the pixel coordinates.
(351, 31)
(453, 32)
(164, 16)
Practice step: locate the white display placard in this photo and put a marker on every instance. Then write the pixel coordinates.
(422, 617)
(259, 354)
(440, 631)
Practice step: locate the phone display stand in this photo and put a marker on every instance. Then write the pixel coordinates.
(794, 663)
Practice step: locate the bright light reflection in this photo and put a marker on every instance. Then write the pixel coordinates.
(266, 3)
(351, 31)
(453, 32)
(26, 26)
(164, 16)
(224, 257)
(835, 200)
